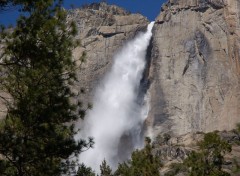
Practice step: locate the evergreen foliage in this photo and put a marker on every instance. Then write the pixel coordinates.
(105, 169)
(210, 159)
(236, 168)
(207, 161)
(6, 4)
(177, 168)
(142, 163)
(85, 171)
(37, 72)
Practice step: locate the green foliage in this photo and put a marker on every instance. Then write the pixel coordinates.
(142, 163)
(26, 5)
(166, 137)
(210, 158)
(85, 171)
(207, 161)
(175, 169)
(37, 135)
(236, 165)
(105, 169)
(236, 168)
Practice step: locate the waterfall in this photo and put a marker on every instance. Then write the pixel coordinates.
(117, 117)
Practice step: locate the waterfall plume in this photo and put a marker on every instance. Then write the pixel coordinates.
(117, 117)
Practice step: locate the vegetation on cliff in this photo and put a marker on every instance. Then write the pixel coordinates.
(37, 71)
(210, 158)
(37, 135)
(142, 163)
(207, 160)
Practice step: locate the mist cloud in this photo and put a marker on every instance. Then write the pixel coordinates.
(116, 115)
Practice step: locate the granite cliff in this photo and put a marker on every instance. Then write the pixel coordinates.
(193, 71)
(192, 76)
(194, 68)
(103, 30)
(193, 58)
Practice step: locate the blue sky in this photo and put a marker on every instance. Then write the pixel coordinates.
(149, 8)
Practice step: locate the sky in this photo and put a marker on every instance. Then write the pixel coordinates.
(148, 8)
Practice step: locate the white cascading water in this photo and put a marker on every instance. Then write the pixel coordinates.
(117, 117)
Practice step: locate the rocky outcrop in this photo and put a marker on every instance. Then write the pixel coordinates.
(174, 150)
(103, 30)
(195, 67)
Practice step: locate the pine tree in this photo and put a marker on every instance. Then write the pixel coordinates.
(85, 171)
(105, 169)
(5, 4)
(209, 159)
(37, 72)
(142, 163)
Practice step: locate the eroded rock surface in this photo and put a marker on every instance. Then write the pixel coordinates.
(195, 67)
(103, 30)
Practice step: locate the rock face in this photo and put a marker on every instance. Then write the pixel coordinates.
(195, 67)
(175, 149)
(103, 29)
